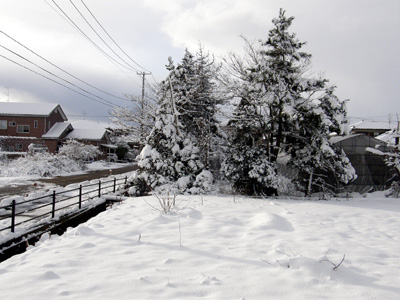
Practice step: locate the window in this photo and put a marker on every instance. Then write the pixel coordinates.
(18, 147)
(35, 124)
(23, 128)
(3, 124)
(12, 124)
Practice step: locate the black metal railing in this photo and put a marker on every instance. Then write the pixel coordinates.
(55, 204)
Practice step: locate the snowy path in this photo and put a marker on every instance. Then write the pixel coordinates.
(218, 249)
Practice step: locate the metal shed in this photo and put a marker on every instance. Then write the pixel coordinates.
(371, 169)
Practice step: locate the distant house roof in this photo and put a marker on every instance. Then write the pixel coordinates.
(30, 109)
(373, 125)
(87, 130)
(57, 130)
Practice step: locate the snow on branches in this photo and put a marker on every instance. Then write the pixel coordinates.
(284, 112)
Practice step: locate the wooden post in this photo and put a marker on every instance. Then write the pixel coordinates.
(53, 211)
(80, 196)
(99, 188)
(13, 216)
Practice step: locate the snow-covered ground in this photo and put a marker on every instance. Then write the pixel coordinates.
(218, 248)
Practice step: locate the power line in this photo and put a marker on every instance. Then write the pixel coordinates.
(88, 84)
(111, 37)
(90, 40)
(59, 83)
(94, 30)
(74, 85)
(52, 7)
(76, 27)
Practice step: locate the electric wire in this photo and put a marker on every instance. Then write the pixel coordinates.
(113, 40)
(65, 19)
(67, 81)
(88, 84)
(106, 32)
(90, 40)
(59, 83)
(73, 25)
(105, 43)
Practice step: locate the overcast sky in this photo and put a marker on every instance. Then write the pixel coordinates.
(354, 43)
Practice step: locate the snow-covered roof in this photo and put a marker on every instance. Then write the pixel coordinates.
(389, 137)
(86, 134)
(87, 130)
(29, 109)
(57, 130)
(373, 125)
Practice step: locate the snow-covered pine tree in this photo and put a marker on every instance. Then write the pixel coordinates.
(247, 164)
(298, 113)
(321, 164)
(194, 89)
(207, 125)
(169, 160)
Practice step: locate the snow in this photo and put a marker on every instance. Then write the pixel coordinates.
(213, 247)
(87, 130)
(28, 109)
(57, 130)
(86, 134)
(17, 173)
(369, 124)
(374, 151)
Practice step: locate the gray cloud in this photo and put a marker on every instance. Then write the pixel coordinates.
(355, 43)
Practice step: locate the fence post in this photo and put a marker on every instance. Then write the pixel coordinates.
(80, 196)
(115, 183)
(13, 216)
(99, 188)
(53, 211)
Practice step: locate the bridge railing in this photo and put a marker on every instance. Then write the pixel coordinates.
(26, 213)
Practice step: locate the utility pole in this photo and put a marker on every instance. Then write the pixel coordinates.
(143, 74)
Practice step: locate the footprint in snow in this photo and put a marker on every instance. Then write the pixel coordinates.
(207, 280)
(170, 285)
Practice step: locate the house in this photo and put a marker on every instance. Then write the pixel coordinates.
(46, 126)
(372, 128)
(22, 124)
(55, 137)
(93, 133)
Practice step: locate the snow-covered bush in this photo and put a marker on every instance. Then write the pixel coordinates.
(394, 191)
(203, 184)
(138, 184)
(287, 187)
(41, 164)
(78, 151)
